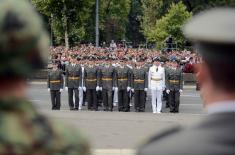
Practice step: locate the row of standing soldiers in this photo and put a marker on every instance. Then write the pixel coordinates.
(101, 81)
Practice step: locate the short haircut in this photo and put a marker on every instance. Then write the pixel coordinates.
(222, 74)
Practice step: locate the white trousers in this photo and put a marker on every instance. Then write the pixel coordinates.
(115, 98)
(156, 101)
(80, 98)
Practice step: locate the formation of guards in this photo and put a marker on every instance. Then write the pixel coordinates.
(102, 84)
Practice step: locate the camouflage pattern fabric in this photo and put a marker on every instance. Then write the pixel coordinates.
(25, 132)
(24, 43)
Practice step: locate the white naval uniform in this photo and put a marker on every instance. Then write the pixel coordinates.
(157, 85)
(81, 90)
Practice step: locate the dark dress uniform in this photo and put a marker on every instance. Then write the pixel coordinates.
(174, 83)
(123, 81)
(139, 83)
(55, 83)
(165, 95)
(108, 81)
(91, 79)
(73, 82)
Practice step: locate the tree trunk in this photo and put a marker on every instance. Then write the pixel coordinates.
(65, 23)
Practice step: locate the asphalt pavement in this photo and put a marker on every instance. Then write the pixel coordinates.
(117, 132)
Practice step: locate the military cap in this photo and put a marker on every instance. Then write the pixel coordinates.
(156, 59)
(24, 43)
(213, 34)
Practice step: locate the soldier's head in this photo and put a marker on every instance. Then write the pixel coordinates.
(174, 63)
(54, 65)
(24, 43)
(156, 62)
(213, 34)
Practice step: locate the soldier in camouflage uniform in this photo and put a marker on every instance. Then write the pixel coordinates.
(139, 86)
(108, 84)
(174, 86)
(24, 46)
(55, 84)
(73, 81)
(124, 87)
(92, 79)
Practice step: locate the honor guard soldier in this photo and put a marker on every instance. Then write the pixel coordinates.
(213, 35)
(82, 88)
(174, 86)
(139, 86)
(73, 82)
(108, 84)
(156, 84)
(92, 79)
(55, 84)
(124, 87)
(24, 47)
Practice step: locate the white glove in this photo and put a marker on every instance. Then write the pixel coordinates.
(48, 89)
(84, 89)
(145, 89)
(113, 88)
(61, 90)
(97, 88)
(116, 88)
(133, 90)
(128, 89)
(168, 91)
(80, 88)
(100, 88)
(181, 91)
(66, 88)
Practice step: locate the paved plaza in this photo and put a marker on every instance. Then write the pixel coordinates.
(115, 132)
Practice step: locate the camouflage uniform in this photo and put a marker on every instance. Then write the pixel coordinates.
(24, 46)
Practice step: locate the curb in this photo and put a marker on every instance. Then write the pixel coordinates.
(114, 152)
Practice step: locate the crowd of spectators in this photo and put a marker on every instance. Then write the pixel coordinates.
(90, 53)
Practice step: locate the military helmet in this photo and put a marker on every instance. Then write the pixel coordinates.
(24, 42)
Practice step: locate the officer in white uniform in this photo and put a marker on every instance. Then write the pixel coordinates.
(82, 89)
(156, 84)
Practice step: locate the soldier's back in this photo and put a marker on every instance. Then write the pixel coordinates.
(23, 131)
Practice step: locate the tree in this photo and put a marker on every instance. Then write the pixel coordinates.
(171, 24)
(68, 18)
(113, 19)
(133, 32)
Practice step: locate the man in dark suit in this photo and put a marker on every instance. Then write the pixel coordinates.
(213, 35)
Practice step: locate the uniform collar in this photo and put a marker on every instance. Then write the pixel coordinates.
(221, 107)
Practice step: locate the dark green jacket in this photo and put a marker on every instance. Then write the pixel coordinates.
(108, 78)
(91, 77)
(55, 79)
(123, 78)
(174, 79)
(139, 79)
(73, 78)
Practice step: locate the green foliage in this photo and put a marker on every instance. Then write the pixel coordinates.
(170, 24)
(133, 32)
(76, 13)
(114, 18)
(200, 5)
